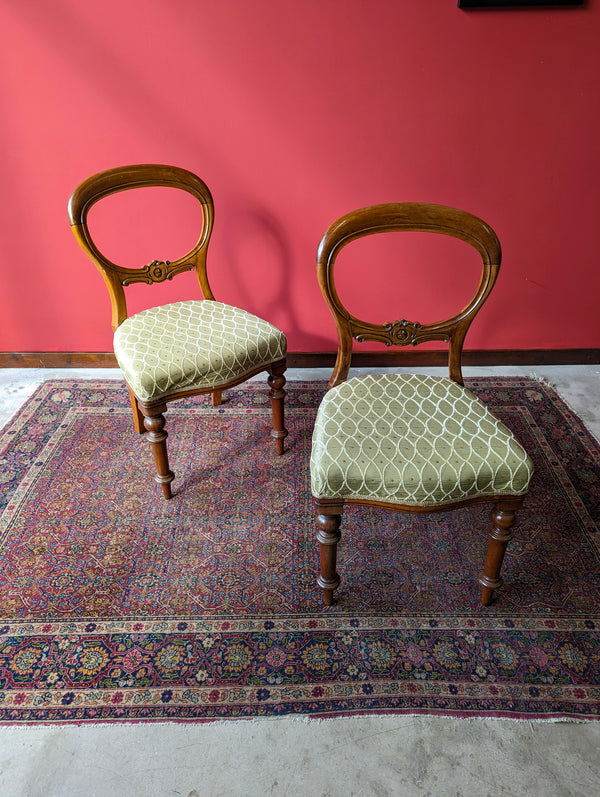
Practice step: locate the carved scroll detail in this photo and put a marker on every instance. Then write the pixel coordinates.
(157, 271)
(398, 333)
(403, 332)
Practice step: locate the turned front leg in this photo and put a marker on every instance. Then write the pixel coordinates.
(157, 437)
(276, 382)
(503, 518)
(329, 518)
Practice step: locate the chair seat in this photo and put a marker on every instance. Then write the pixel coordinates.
(193, 345)
(412, 440)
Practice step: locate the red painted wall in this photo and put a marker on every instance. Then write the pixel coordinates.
(295, 113)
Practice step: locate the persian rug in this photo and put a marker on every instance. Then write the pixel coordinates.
(116, 605)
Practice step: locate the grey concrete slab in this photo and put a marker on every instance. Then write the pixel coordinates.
(346, 757)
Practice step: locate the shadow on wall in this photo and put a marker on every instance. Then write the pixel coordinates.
(257, 249)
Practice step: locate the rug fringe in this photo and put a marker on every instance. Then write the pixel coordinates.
(547, 383)
(305, 719)
(542, 379)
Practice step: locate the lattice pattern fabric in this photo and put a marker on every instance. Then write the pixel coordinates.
(193, 344)
(413, 440)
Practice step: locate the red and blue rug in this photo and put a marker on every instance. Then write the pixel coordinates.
(116, 605)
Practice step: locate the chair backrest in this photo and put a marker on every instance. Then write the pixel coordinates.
(125, 178)
(404, 216)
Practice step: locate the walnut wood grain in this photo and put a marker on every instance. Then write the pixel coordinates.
(329, 518)
(503, 518)
(405, 217)
(125, 178)
(148, 416)
(154, 422)
(277, 395)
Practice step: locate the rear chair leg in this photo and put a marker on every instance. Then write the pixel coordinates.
(138, 417)
(503, 519)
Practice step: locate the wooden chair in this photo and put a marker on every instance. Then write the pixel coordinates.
(411, 443)
(183, 348)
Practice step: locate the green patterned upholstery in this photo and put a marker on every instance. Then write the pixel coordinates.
(412, 440)
(193, 344)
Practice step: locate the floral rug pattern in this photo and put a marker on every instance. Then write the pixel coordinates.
(116, 605)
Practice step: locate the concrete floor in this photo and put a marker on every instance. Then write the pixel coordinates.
(376, 755)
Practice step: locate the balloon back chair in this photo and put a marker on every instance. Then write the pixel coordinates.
(412, 443)
(183, 348)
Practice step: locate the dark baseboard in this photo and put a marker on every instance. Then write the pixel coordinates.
(57, 359)
(427, 358)
(325, 359)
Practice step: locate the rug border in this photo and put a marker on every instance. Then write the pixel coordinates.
(512, 714)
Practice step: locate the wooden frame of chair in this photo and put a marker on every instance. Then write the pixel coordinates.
(423, 218)
(149, 415)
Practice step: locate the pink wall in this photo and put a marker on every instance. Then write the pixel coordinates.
(295, 113)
